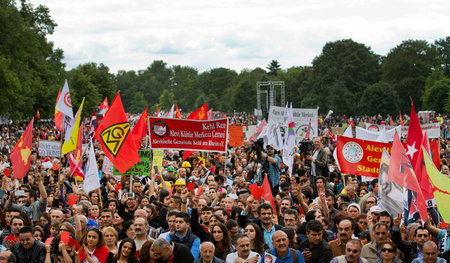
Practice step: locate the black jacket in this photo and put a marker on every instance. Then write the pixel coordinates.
(181, 254)
(36, 254)
(408, 248)
(320, 254)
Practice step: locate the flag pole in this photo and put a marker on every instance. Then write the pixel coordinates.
(60, 150)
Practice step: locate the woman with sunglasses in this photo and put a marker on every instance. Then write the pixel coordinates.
(126, 253)
(222, 240)
(388, 252)
(93, 247)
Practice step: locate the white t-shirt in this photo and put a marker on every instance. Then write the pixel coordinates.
(233, 256)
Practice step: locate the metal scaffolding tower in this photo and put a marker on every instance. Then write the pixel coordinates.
(268, 89)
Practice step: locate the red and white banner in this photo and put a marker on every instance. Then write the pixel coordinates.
(362, 157)
(167, 133)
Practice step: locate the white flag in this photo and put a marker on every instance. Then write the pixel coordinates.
(64, 104)
(91, 181)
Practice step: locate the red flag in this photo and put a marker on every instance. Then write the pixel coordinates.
(75, 167)
(200, 114)
(402, 173)
(421, 171)
(79, 150)
(255, 191)
(140, 129)
(224, 115)
(401, 119)
(20, 155)
(414, 139)
(186, 154)
(113, 133)
(38, 115)
(58, 116)
(158, 112)
(351, 123)
(308, 131)
(267, 194)
(258, 130)
(391, 122)
(177, 112)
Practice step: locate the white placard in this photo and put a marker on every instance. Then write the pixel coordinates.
(301, 120)
(49, 148)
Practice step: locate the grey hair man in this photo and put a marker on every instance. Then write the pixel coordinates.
(207, 250)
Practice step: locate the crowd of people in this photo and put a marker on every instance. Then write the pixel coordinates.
(319, 215)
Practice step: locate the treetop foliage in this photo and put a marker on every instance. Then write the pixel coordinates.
(347, 77)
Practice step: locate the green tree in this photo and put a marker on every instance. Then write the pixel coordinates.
(443, 47)
(243, 90)
(406, 67)
(273, 67)
(166, 100)
(379, 98)
(92, 81)
(31, 70)
(293, 78)
(344, 67)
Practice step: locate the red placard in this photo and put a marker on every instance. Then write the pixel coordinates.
(236, 135)
(362, 157)
(166, 133)
(118, 187)
(255, 191)
(11, 237)
(65, 236)
(49, 240)
(6, 172)
(171, 191)
(72, 199)
(199, 190)
(190, 186)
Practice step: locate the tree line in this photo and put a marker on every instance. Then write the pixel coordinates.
(347, 76)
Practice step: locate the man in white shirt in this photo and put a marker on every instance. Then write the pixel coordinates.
(243, 254)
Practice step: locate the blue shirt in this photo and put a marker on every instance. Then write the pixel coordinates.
(286, 259)
(268, 236)
(274, 173)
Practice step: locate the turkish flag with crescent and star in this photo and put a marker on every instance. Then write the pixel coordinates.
(414, 138)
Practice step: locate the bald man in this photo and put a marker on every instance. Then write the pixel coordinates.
(281, 250)
(207, 251)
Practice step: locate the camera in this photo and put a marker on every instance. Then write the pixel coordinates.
(306, 147)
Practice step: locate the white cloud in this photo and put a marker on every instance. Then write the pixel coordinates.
(236, 34)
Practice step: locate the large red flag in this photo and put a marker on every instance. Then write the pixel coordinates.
(402, 173)
(414, 139)
(113, 133)
(421, 171)
(200, 114)
(267, 194)
(20, 155)
(140, 129)
(75, 167)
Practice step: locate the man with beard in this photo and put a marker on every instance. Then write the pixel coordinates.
(315, 249)
(140, 230)
(243, 253)
(345, 232)
(370, 250)
(281, 250)
(352, 253)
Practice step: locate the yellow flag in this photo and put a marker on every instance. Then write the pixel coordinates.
(440, 184)
(71, 144)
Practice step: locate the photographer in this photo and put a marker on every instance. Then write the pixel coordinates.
(270, 165)
(319, 159)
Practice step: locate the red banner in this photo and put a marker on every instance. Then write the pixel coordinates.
(362, 157)
(167, 133)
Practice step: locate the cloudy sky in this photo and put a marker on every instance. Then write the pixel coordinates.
(235, 34)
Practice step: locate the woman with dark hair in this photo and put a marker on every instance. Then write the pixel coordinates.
(118, 222)
(93, 247)
(127, 230)
(112, 204)
(144, 253)
(125, 254)
(292, 236)
(39, 233)
(58, 251)
(256, 238)
(221, 240)
(235, 212)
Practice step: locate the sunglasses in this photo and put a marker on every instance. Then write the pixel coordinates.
(370, 202)
(390, 250)
(352, 250)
